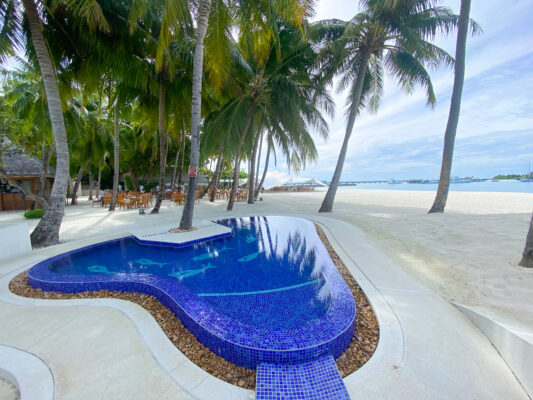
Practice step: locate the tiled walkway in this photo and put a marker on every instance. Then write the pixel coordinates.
(314, 380)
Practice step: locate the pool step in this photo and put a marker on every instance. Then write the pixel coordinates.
(314, 380)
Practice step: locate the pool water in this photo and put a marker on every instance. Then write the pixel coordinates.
(266, 274)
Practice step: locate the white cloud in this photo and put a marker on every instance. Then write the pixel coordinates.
(496, 97)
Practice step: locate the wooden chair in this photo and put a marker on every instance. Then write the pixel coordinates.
(178, 198)
(121, 201)
(106, 200)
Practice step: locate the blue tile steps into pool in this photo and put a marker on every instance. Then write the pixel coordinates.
(313, 380)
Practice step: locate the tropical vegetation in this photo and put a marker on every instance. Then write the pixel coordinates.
(153, 90)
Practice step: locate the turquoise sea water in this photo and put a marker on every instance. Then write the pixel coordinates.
(488, 186)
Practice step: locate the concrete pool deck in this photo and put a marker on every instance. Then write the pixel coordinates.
(111, 349)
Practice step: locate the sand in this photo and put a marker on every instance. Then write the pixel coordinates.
(468, 255)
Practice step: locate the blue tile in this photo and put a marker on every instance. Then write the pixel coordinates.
(314, 380)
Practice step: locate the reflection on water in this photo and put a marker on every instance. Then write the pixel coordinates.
(267, 273)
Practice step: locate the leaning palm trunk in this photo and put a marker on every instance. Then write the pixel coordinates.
(237, 166)
(163, 146)
(28, 195)
(99, 180)
(527, 256)
(91, 183)
(258, 161)
(47, 155)
(175, 169)
(116, 163)
(47, 231)
(455, 108)
(218, 172)
(260, 185)
(76, 187)
(327, 203)
(182, 153)
(251, 175)
(196, 109)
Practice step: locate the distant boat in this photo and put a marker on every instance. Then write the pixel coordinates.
(430, 181)
(526, 180)
(461, 180)
(394, 182)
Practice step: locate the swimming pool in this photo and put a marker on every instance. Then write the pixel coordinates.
(267, 293)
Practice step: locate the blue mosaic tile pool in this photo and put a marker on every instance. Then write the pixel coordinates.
(269, 293)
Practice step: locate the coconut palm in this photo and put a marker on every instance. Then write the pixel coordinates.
(164, 23)
(527, 255)
(47, 230)
(387, 35)
(259, 18)
(204, 7)
(272, 92)
(455, 107)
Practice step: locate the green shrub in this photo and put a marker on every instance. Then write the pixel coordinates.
(34, 213)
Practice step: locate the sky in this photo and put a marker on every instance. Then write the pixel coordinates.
(405, 138)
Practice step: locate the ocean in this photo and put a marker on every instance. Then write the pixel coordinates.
(512, 186)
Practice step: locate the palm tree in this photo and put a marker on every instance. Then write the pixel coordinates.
(527, 256)
(47, 230)
(455, 108)
(392, 35)
(204, 7)
(164, 23)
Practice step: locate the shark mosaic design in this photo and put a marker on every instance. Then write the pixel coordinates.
(144, 261)
(99, 269)
(190, 272)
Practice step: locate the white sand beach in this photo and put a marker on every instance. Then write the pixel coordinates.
(468, 255)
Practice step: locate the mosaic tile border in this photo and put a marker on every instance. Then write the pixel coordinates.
(235, 341)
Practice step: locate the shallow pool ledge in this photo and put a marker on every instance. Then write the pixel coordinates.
(160, 235)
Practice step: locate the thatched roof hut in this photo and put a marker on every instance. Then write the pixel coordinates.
(17, 164)
(24, 169)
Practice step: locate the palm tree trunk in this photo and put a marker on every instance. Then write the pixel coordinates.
(116, 163)
(90, 182)
(182, 153)
(327, 203)
(213, 183)
(47, 155)
(163, 146)
(259, 159)
(527, 256)
(134, 180)
(218, 173)
(47, 230)
(236, 168)
(175, 169)
(99, 180)
(76, 187)
(264, 172)
(251, 175)
(196, 111)
(455, 108)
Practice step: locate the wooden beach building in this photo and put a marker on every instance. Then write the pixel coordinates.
(26, 170)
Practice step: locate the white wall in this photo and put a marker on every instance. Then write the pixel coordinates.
(514, 345)
(14, 239)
